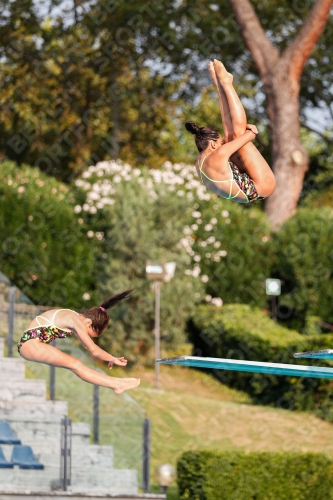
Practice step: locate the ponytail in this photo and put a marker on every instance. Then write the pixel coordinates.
(99, 316)
(112, 301)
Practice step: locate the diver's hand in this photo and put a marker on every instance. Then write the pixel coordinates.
(117, 361)
(253, 128)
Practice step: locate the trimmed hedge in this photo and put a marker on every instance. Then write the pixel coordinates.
(240, 332)
(206, 475)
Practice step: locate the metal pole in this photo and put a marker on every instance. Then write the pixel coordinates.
(274, 308)
(157, 332)
(52, 379)
(66, 436)
(96, 414)
(146, 456)
(11, 320)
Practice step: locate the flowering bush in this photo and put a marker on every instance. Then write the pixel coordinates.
(220, 248)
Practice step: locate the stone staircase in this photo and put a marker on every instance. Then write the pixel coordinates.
(37, 423)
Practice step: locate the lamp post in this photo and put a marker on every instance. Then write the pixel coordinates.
(165, 475)
(273, 288)
(158, 271)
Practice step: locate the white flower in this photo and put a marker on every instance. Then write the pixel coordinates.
(196, 214)
(93, 196)
(77, 209)
(208, 227)
(217, 301)
(90, 234)
(225, 213)
(197, 258)
(86, 296)
(204, 278)
(217, 244)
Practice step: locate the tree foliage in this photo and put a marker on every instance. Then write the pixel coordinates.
(44, 248)
(303, 261)
(116, 80)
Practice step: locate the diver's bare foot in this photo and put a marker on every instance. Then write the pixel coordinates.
(212, 72)
(221, 73)
(126, 384)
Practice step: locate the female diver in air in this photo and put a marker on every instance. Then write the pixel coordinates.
(231, 167)
(61, 323)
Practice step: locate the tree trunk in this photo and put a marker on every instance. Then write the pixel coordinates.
(290, 158)
(281, 74)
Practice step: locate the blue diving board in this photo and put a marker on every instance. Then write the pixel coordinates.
(324, 354)
(250, 366)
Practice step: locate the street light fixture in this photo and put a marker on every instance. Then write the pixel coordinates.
(158, 271)
(165, 475)
(273, 288)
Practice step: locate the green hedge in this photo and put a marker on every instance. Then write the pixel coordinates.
(303, 259)
(44, 249)
(258, 475)
(240, 332)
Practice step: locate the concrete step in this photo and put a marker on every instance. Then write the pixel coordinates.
(80, 435)
(93, 455)
(21, 479)
(23, 390)
(12, 369)
(117, 481)
(35, 411)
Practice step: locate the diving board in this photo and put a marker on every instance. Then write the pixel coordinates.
(250, 366)
(324, 354)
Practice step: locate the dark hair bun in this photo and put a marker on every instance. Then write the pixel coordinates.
(192, 127)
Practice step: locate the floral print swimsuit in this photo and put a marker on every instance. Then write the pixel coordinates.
(45, 333)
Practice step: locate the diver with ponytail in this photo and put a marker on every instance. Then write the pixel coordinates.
(34, 345)
(231, 166)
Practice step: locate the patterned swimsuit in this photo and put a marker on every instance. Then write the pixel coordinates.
(244, 183)
(45, 333)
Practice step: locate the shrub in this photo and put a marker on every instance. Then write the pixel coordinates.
(44, 250)
(140, 220)
(304, 261)
(258, 475)
(231, 247)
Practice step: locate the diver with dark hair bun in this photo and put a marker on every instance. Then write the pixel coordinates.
(232, 167)
(90, 323)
